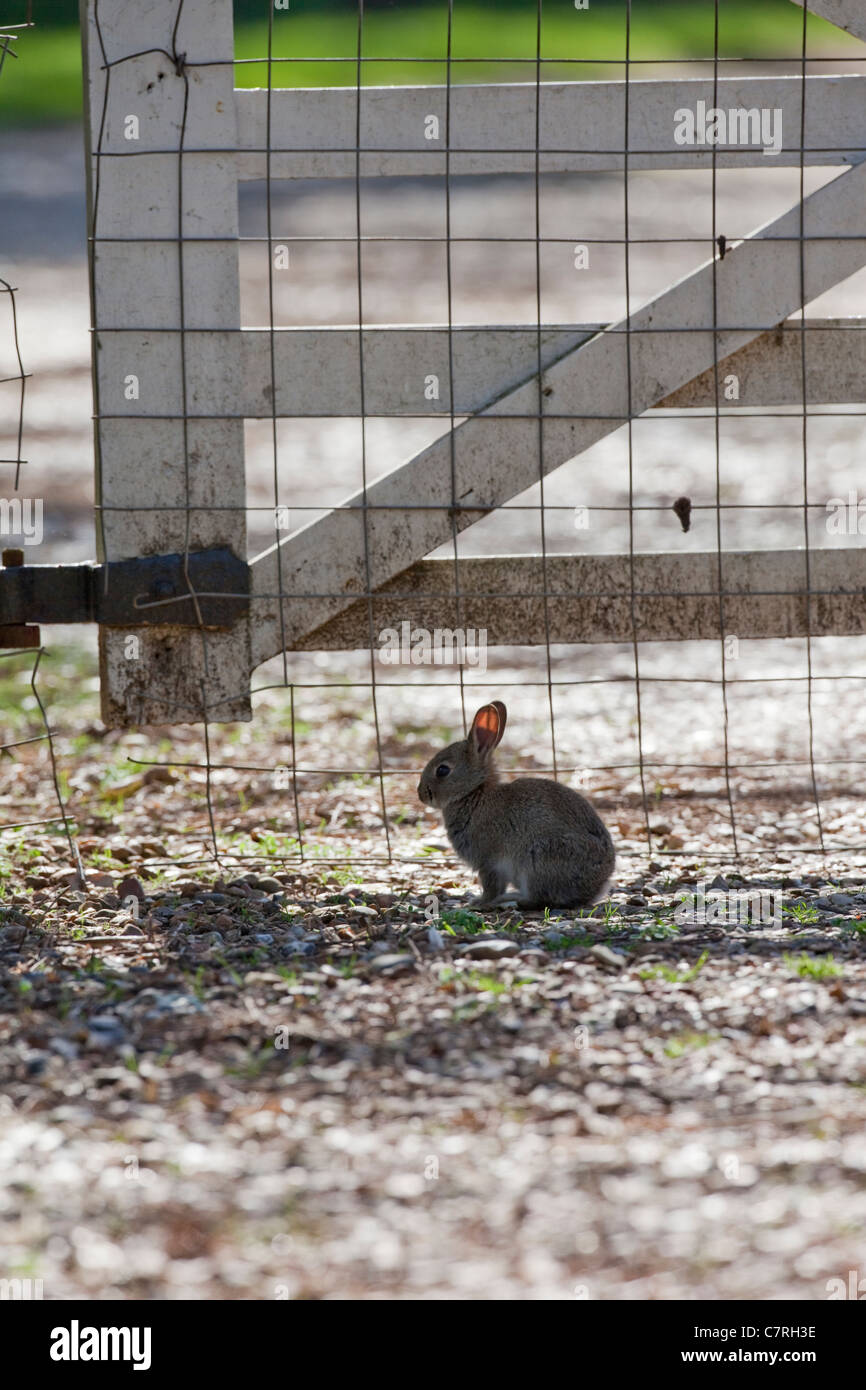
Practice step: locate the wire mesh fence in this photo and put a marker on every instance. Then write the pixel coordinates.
(627, 505)
(20, 646)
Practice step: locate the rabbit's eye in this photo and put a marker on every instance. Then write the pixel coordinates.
(442, 770)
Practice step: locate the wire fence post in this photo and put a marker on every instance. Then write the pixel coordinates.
(163, 226)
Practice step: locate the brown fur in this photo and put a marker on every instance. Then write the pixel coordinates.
(540, 836)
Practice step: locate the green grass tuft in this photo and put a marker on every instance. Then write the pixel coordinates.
(813, 967)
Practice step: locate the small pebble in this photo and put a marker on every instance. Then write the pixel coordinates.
(488, 949)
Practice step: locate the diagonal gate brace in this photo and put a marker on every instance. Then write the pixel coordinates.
(312, 576)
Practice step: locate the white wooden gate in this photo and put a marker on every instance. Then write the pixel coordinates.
(175, 375)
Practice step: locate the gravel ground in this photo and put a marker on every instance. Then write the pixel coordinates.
(267, 1086)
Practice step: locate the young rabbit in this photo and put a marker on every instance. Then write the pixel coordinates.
(538, 835)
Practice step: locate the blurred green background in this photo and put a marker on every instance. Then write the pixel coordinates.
(44, 84)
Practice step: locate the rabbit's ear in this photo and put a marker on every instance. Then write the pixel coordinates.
(488, 726)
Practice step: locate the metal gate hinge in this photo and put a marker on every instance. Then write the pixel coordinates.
(204, 588)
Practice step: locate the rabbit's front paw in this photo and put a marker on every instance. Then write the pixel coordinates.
(488, 903)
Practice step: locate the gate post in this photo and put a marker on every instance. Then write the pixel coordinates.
(162, 221)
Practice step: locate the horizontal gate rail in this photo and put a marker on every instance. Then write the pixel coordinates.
(588, 598)
(582, 127)
(317, 370)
